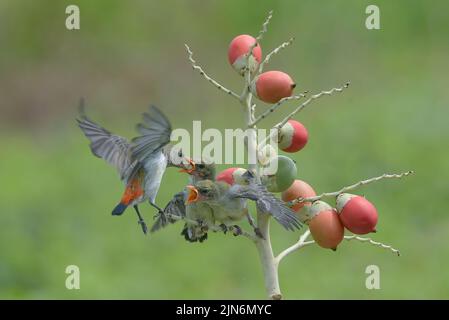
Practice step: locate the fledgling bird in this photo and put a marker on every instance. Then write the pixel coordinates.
(140, 163)
(200, 213)
(229, 203)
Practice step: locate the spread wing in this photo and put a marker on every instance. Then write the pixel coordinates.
(154, 133)
(266, 202)
(112, 148)
(175, 208)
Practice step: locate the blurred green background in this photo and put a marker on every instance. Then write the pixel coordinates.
(56, 198)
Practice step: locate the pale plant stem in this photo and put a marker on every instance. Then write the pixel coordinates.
(298, 245)
(303, 243)
(273, 52)
(263, 246)
(374, 243)
(274, 107)
(207, 77)
(265, 26)
(351, 187)
(299, 108)
(269, 266)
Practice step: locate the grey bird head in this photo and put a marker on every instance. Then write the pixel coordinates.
(176, 158)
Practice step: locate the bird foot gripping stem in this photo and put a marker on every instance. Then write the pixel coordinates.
(258, 233)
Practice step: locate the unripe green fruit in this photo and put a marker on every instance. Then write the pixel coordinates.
(281, 179)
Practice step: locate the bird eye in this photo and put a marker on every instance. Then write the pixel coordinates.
(180, 153)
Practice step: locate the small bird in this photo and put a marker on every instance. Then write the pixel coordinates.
(140, 163)
(229, 203)
(198, 215)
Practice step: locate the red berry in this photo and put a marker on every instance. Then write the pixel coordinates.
(231, 176)
(325, 226)
(272, 86)
(299, 189)
(357, 214)
(293, 136)
(239, 48)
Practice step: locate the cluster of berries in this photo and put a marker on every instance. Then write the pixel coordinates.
(326, 224)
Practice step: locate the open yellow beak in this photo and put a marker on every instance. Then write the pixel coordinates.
(192, 167)
(192, 195)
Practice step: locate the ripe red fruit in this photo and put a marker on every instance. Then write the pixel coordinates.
(299, 189)
(357, 214)
(272, 86)
(231, 176)
(239, 48)
(325, 225)
(293, 136)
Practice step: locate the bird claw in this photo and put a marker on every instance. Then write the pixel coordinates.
(224, 228)
(258, 233)
(203, 225)
(236, 230)
(144, 226)
(159, 214)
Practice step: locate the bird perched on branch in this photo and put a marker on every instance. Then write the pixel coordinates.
(229, 203)
(198, 216)
(140, 163)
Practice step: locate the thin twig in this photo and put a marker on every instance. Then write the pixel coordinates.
(302, 243)
(351, 187)
(374, 243)
(275, 106)
(298, 245)
(264, 26)
(273, 52)
(302, 106)
(256, 43)
(208, 78)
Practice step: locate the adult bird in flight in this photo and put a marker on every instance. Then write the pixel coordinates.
(140, 163)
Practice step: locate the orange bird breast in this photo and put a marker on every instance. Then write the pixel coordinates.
(133, 191)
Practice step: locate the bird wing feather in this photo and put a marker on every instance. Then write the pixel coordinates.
(155, 132)
(175, 207)
(266, 202)
(114, 149)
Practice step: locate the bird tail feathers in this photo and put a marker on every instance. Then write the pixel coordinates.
(119, 209)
